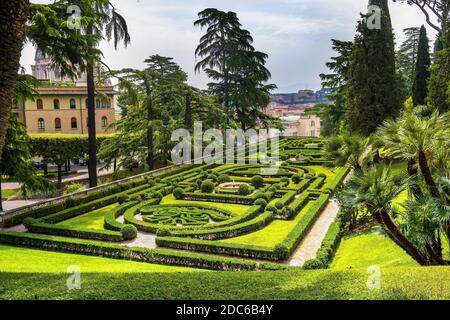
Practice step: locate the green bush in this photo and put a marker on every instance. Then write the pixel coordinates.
(279, 205)
(262, 203)
(207, 186)
(244, 190)
(178, 193)
(271, 208)
(296, 178)
(223, 178)
(211, 177)
(262, 195)
(123, 199)
(273, 188)
(164, 231)
(73, 187)
(27, 222)
(257, 181)
(199, 183)
(129, 232)
(282, 251)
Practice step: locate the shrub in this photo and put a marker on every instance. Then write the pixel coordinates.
(158, 195)
(73, 187)
(296, 178)
(284, 180)
(129, 232)
(199, 183)
(322, 175)
(178, 193)
(164, 231)
(279, 205)
(223, 178)
(244, 190)
(207, 186)
(262, 195)
(261, 202)
(135, 197)
(211, 177)
(287, 212)
(27, 222)
(123, 199)
(282, 251)
(273, 188)
(257, 181)
(271, 208)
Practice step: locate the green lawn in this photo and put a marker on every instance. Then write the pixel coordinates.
(235, 208)
(368, 249)
(8, 193)
(295, 284)
(271, 235)
(91, 220)
(16, 259)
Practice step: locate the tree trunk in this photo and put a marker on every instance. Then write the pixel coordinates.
(407, 245)
(66, 167)
(59, 174)
(413, 172)
(13, 16)
(427, 175)
(46, 169)
(1, 200)
(92, 163)
(115, 165)
(188, 113)
(149, 102)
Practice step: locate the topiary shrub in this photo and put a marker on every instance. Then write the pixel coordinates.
(262, 195)
(279, 205)
(123, 199)
(296, 178)
(284, 180)
(223, 178)
(129, 232)
(135, 197)
(261, 202)
(271, 208)
(178, 193)
(212, 177)
(273, 188)
(158, 195)
(257, 181)
(164, 231)
(287, 212)
(199, 183)
(207, 186)
(27, 222)
(244, 190)
(282, 251)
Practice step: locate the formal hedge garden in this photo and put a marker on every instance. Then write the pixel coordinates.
(206, 216)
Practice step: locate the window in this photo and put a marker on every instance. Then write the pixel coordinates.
(39, 104)
(41, 124)
(73, 104)
(56, 104)
(104, 122)
(313, 134)
(73, 123)
(87, 102)
(313, 124)
(58, 124)
(102, 104)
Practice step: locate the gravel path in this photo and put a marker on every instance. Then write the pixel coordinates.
(308, 248)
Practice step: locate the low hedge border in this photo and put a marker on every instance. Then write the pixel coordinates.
(81, 233)
(231, 231)
(116, 251)
(110, 222)
(129, 218)
(328, 249)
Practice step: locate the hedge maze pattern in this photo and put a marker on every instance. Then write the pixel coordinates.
(187, 210)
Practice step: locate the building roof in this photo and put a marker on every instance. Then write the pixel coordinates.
(73, 90)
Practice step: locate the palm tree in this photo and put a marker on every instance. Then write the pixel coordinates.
(375, 189)
(13, 16)
(352, 149)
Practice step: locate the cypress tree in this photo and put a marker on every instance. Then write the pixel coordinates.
(373, 84)
(422, 69)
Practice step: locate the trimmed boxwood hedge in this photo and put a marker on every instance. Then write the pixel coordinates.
(329, 246)
(158, 256)
(110, 222)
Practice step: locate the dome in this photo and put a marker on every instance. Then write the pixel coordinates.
(39, 55)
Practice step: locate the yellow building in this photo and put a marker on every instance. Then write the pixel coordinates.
(61, 107)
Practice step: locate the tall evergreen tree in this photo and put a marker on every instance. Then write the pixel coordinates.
(407, 55)
(422, 69)
(373, 84)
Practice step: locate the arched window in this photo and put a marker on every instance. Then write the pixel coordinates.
(56, 104)
(73, 104)
(39, 104)
(41, 124)
(58, 124)
(313, 124)
(104, 122)
(73, 123)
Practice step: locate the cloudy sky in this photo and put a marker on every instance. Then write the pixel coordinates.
(295, 33)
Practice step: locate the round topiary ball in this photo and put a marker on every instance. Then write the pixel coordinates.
(223, 178)
(279, 205)
(129, 232)
(207, 186)
(211, 177)
(271, 208)
(296, 178)
(261, 202)
(244, 190)
(257, 181)
(178, 193)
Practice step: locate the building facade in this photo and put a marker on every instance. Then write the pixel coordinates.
(61, 106)
(301, 126)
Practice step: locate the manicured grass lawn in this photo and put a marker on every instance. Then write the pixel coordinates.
(8, 193)
(91, 220)
(17, 259)
(368, 249)
(295, 284)
(235, 208)
(271, 235)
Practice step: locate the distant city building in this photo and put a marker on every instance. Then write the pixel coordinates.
(302, 97)
(301, 126)
(61, 106)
